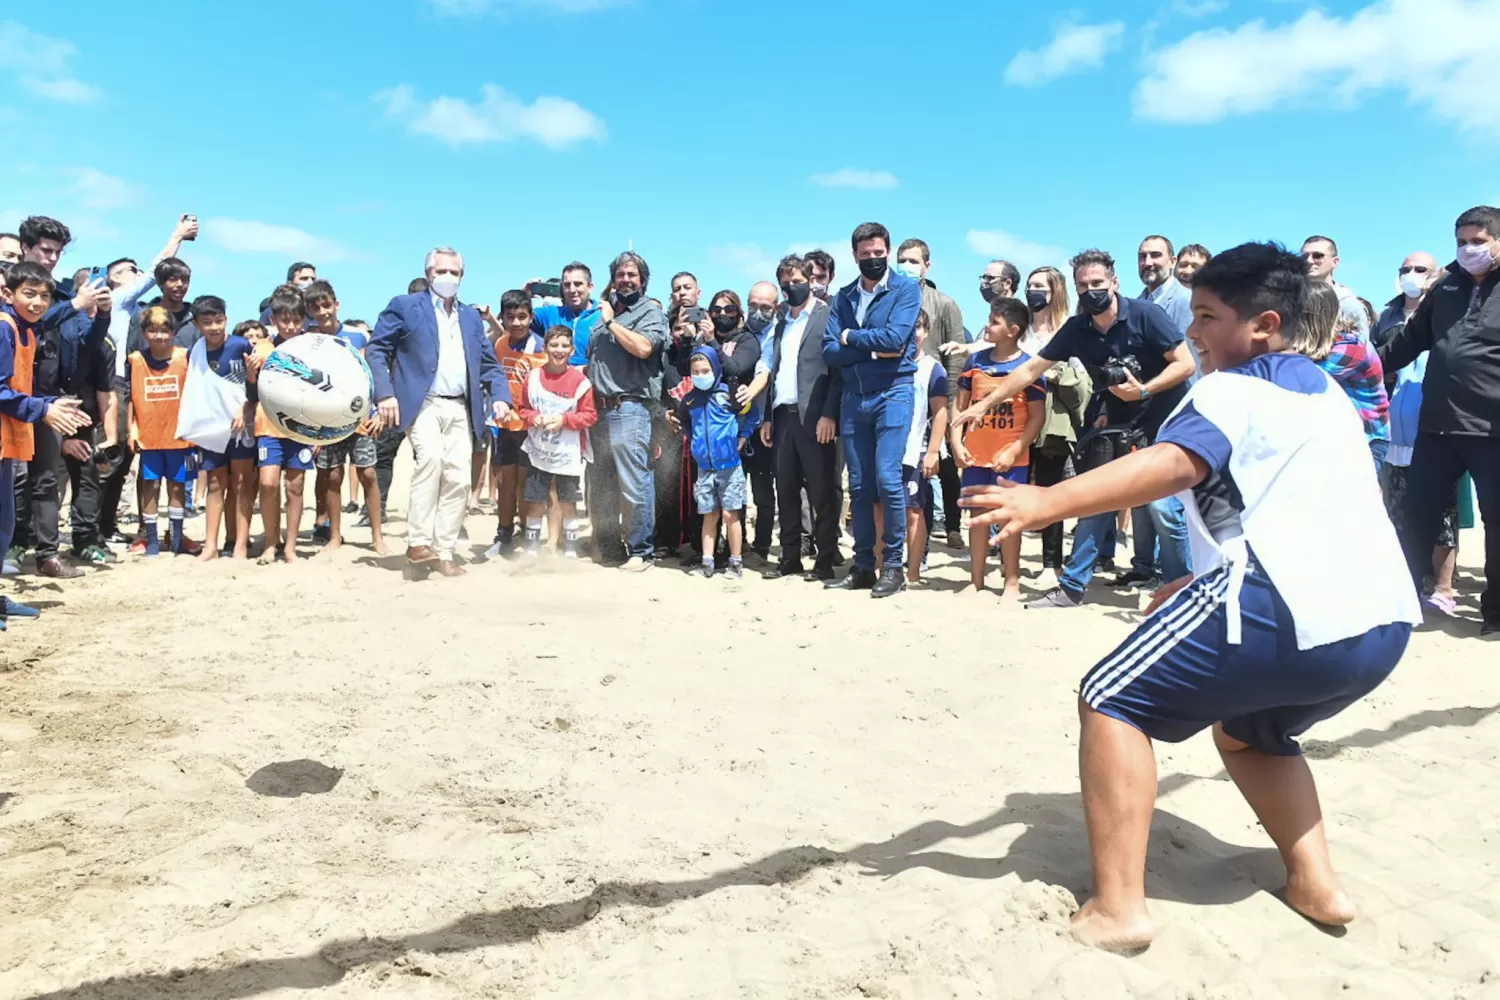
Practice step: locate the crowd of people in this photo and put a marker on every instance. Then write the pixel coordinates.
(709, 432)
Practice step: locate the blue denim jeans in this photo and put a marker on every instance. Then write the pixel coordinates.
(875, 428)
(1088, 538)
(622, 472)
(1161, 538)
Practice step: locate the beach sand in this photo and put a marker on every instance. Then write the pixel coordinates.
(556, 780)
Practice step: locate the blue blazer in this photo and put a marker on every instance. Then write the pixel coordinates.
(403, 357)
(889, 328)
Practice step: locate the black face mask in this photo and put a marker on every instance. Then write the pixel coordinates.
(1036, 298)
(726, 322)
(628, 299)
(1096, 301)
(988, 292)
(759, 319)
(796, 292)
(873, 268)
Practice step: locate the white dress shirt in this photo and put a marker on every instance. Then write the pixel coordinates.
(452, 376)
(784, 388)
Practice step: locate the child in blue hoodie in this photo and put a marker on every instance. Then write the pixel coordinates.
(717, 431)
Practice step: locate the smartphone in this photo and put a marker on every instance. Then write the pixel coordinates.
(545, 289)
(190, 218)
(97, 276)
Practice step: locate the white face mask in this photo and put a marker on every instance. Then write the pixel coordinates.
(1413, 284)
(1476, 259)
(703, 382)
(445, 286)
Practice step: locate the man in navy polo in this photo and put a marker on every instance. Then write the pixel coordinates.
(871, 335)
(1109, 329)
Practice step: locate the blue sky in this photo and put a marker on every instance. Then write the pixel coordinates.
(717, 136)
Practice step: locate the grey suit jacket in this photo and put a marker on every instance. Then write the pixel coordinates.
(819, 389)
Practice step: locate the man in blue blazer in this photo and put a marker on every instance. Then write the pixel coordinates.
(433, 368)
(871, 337)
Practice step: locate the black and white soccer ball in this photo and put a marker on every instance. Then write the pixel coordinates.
(316, 389)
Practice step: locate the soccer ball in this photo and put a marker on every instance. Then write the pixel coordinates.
(316, 389)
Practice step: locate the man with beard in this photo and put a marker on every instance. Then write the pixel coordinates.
(1157, 264)
(999, 281)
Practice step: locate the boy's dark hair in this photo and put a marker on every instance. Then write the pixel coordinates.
(1486, 217)
(1253, 278)
(1093, 256)
(1333, 248)
(791, 262)
(169, 268)
(553, 332)
(923, 320)
(1012, 311)
(357, 322)
(578, 265)
(870, 231)
(208, 305)
(822, 258)
(291, 272)
(417, 285)
(515, 299)
(317, 290)
(29, 272)
(920, 245)
(41, 227)
(1197, 249)
(244, 326)
(287, 301)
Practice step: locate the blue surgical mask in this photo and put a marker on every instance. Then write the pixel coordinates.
(704, 382)
(910, 270)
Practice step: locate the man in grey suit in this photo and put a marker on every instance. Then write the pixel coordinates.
(802, 417)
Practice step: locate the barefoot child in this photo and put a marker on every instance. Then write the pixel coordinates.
(156, 377)
(27, 295)
(716, 433)
(518, 351)
(557, 403)
(277, 453)
(1251, 646)
(231, 471)
(998, 447)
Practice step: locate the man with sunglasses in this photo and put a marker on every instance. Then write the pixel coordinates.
(1322, 257)
(1413, 278)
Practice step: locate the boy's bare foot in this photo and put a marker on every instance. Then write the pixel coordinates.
(380, 549)
(209, 554)
(1012, 592)
(289, 555)
(972, 591)
(1127, 932)
(241, 553)
(332, 545)
(266, 558)
(1321, 900)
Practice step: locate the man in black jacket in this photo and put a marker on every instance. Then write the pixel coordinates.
(1458, 429)
(802, 416)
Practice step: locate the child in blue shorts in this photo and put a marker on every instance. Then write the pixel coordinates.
(1253, 645)
(231, 471)
(275, 453)
(717, 431)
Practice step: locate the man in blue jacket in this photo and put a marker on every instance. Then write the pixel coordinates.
(432, 367)
(871, 336)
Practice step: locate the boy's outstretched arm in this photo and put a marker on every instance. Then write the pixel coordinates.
(1133, 481)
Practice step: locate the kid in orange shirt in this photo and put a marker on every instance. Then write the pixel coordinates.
(155, 378)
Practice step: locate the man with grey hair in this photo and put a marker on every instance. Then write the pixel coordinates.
(432, 367)
(624, 355)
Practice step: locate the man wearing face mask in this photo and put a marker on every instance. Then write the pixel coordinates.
(1416, 274)
(302, 274)
(871, 335)
(432, 367)
(1000, 280)
(821, 267)
(1458, 429)
(625, 356)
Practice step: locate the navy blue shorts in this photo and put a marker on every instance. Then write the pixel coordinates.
(1020, 474)
(175, 466)
(917, 488)
(238, 451)
(284, 453)
(1177, 674)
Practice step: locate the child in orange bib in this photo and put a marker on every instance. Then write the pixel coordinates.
(155, 378)
(999, 445)
(519, 351)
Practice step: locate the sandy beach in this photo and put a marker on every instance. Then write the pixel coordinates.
(561, 781)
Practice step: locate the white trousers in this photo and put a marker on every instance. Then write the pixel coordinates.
(443, 448)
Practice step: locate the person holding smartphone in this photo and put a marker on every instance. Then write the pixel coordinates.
(578, 311)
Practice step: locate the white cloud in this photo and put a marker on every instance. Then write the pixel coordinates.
(41, 64)
(242, 236)
(472, 8)
(1025, 254)
(860, 180)
(1075, 47)
(496, 117)
(98, 190)
(1439, 53)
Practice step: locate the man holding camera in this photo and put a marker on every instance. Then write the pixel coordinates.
(1141, 363)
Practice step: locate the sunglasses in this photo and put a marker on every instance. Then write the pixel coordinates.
(1313, 255)
(723, 311)
(1417, 268)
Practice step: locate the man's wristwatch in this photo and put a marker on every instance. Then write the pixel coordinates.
(1145, 394)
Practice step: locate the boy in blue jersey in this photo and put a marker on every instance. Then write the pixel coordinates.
(1251, 646)
(276, 454)
(230, 472)
(716, 431)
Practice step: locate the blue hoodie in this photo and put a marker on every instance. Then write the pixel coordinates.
(712, 422)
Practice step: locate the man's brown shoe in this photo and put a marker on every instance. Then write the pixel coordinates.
(58, 568)
(421, 554)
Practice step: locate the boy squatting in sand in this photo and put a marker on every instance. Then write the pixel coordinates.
(1251, 646)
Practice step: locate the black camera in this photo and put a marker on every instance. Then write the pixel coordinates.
(1116, 371)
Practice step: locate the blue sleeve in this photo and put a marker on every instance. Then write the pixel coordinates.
(835, 354)
(390, 329)
(938, 384)
(900, 329)
(1036, 392)
(1191, 430)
